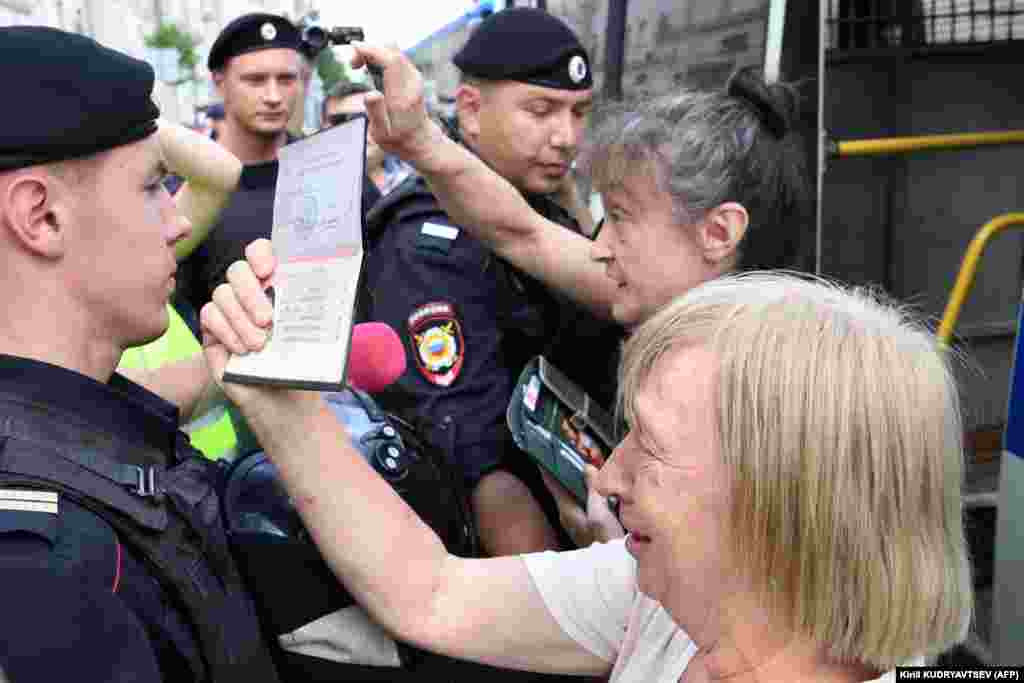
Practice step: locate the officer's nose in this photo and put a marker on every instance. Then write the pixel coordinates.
(567, 131)
(179, 227)
(273, 92)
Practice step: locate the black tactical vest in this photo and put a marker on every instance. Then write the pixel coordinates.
(167, 514)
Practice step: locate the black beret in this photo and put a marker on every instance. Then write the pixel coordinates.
(252, 32)
(528, 45)
(74, 97)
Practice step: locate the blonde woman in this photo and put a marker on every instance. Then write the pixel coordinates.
(790, 482)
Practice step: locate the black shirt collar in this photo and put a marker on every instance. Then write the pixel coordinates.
(262, 174)
(259, 176)
(121, 407)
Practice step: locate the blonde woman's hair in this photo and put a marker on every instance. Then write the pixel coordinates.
(839, 420)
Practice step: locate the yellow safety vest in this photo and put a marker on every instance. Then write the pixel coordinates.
(212, 433)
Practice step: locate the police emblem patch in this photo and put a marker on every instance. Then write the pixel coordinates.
(437, 342)
(577, 68)
(268, 31)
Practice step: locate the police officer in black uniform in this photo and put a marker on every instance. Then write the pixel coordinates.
(469, 320)
(113, 562)
(256, 66)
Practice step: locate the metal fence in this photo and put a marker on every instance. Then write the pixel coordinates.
(872, 24)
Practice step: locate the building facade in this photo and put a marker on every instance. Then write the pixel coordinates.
(669, 43)
(124, 25)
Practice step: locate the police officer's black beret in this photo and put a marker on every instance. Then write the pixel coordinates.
(528, 45)
(251, 32)
(72, 97)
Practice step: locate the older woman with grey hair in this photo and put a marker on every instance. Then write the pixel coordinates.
(694, 185)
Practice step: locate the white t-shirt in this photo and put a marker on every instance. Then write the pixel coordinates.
(592, 594)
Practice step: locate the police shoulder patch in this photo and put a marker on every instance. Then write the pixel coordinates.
(437, 342)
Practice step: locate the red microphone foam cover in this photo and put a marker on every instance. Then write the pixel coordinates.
(376, 357)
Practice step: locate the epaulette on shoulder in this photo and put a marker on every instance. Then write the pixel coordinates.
(410, 195)
(32, 511)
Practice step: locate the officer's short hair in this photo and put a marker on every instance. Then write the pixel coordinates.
(342, 90)
(76, 172)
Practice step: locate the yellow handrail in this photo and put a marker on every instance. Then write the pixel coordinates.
(899, 145)
(968, 268)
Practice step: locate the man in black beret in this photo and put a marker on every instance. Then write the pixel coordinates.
(109, 519)
(257, 67)
(469, 320)
(255, 64)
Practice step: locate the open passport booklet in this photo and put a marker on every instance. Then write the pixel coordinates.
(318, 241)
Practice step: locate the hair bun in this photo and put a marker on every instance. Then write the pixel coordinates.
(773, 105)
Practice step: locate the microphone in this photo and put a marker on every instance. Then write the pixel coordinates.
(376, 357)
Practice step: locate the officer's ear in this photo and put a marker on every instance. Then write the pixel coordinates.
(36, 206)
(468, 103)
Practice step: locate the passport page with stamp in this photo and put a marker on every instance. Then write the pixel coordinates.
(318, 241)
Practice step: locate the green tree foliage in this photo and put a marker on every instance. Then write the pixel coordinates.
(170, 36)
(330, 69)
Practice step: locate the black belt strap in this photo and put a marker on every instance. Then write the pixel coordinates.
(175, 535)
(91, 473)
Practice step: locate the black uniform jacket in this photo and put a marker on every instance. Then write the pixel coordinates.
(469, 322)
(96, 608)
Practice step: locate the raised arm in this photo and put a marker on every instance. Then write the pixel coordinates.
(186, 383)
(389, 560)
(473, 195)
(211, 174)
(569, 198)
